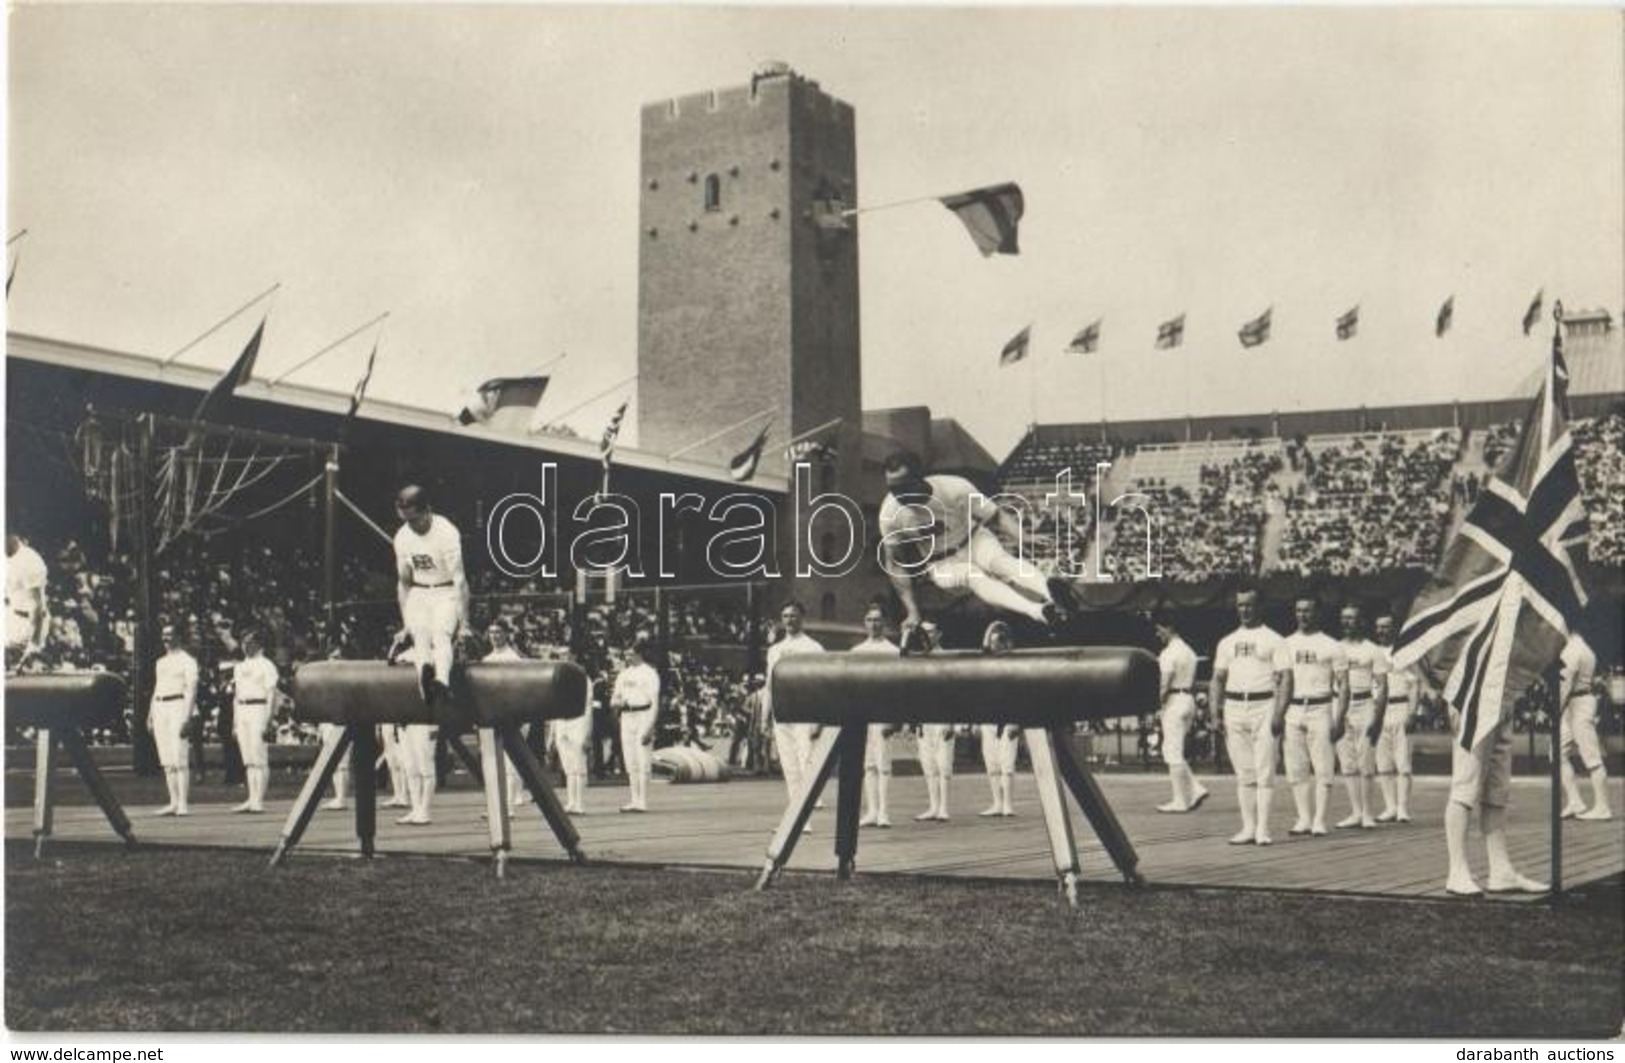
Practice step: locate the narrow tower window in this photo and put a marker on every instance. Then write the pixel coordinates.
(713, 192)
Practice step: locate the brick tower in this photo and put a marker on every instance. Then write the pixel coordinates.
(748, 281)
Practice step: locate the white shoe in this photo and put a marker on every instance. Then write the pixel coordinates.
(246, 806)
(167, 810)
(337, 805)
(1347, 822)
(1008, 813)
(1571, 810)
(1197, 799)
(941, 817)
(1300, 827)
(993, 811)
(1367, 823)
(393, 802)
(1166, 806)
(1388, 816)
(1319, 830)
(258, 810)
(1244, 838)
(1463, 887)
(1403, 817)
(412, 819)
(926, 816)
(1517, 883)
(1264, 838)
(883, 823)
(868, 821)
(1596, 812)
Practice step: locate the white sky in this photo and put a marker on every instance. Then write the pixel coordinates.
(474, 171)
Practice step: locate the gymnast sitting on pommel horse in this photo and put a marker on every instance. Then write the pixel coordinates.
(494, 698)
(1044, 692)
(57, 706)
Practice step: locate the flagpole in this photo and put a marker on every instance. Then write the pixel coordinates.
(758, 415)
(331, 346)
(15, 237)
(591, 399)
(211, 330)
(547, 365)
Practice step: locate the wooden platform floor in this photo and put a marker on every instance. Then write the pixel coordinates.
(729, 825)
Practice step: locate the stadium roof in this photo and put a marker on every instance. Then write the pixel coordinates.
(147, 368)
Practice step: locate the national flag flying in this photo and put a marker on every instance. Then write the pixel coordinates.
(1171, 333)
(1531, 317)
(1257, 330)
(1447, 312)
(239, 373)
(1498, 610)
(502, 392)
(743, 466)
(1087, 341)
(1348, 324)
(1016, 349)
(991, 215)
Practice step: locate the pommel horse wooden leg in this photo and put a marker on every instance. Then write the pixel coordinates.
(800, 811)
(530, 772)
(849, 749)
(1052, 799)
(1101, 817)
(304, 807)
(364, 777)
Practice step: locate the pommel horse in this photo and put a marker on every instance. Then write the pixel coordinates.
(1044, 692)
(58, 706)
(495, 699)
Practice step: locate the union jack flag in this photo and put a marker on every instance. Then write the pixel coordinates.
(1499, 609)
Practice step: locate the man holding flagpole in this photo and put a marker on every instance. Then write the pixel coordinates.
(1496, 614)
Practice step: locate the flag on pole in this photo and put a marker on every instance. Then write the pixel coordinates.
(239, 373)
(991, 215)
(1087, 341)
(1171, 333)
(1499, 608)
(1447, 312)
(1531, 317)
(500, 393)
(1348, 325)
(359, 393)
(11, 274)
(814, 445)
(1016, 349)
(606, 445)
(743, 466)
(1257, 330)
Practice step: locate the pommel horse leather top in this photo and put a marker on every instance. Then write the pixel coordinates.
(1029, 688)
(486, 695)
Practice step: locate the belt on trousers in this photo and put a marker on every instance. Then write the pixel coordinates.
(434, 586)
(251, 701)
(1260, 696)
(1398, 699)
(169, 697)
(25, 614)
(1318, 699)
(1179, 690)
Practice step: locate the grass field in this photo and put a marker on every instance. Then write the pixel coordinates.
(188, 940)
